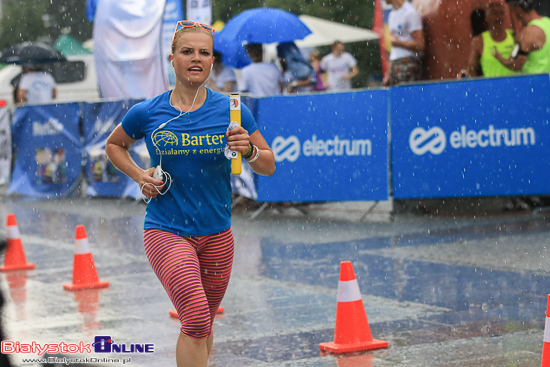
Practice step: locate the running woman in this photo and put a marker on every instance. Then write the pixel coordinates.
(187, 228)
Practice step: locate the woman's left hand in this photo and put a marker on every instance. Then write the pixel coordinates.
(497, 55)
(393, 39)
(238, 139)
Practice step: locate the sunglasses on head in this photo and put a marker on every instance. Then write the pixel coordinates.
(191, 24)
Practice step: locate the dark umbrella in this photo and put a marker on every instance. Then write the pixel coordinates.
(31, 53)
(259, 25)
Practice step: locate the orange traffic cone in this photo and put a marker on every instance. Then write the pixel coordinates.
(352, 331)
(14, 258)
(546, 344)
(84, 271)
(174, 312)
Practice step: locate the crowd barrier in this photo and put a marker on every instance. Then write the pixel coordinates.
(55, 145)
(476, 137)
(328, 147)
(58, 145)
(99, 120)
(48, 150)
(482, 137)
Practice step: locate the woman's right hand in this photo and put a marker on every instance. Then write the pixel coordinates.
(150, 187)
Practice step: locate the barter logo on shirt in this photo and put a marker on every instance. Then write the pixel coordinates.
(165, 138)
(167, 143)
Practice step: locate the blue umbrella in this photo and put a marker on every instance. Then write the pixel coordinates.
(259, 25)
(233, 52)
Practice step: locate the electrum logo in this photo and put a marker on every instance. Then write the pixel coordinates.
(422, 141)
(434, 140)
(290, 148)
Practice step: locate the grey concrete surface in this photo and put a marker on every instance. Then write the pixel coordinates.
(460, 283)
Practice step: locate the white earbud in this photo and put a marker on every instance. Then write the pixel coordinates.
(211, 66)
(172, 63)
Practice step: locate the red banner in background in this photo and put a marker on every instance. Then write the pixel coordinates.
(380, 27)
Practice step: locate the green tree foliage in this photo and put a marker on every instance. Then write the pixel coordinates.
(21, 21)
(353, 12)
(32, 20)
(70, 16)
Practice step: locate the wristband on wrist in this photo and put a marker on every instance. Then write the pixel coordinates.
(249, 152)
(255, 156)
(518, 51)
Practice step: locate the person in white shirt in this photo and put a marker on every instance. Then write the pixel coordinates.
(36, 86)
(340, 67)
(407, 39)
(222, 78)
(260, 79)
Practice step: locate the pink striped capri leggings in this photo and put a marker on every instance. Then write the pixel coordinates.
(194, 272)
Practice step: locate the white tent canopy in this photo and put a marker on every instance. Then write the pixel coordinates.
(325, 32)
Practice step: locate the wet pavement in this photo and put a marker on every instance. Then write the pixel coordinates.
(457, 287)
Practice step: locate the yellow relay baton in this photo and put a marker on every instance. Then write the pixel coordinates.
(235, 116)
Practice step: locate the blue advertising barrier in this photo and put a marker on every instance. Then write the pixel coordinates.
(482, 137)
(48, 150)
(328, 147)
(478, 137)
(99, 120)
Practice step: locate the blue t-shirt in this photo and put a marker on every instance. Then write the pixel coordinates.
(192, 146)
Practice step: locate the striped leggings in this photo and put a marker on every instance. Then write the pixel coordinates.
(194, 272)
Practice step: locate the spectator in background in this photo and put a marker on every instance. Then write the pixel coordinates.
(407, 39)
(340, 67)
(298, 74)
(532, 52)
(478, 22)
(320, 76)
(36, 86)
(261, 79)
(222, 78)
(478, 25)
(483, 46)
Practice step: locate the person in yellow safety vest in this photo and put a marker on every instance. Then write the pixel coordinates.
(496, 38)
(532, 52)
